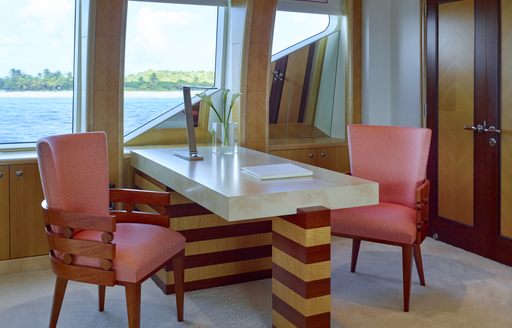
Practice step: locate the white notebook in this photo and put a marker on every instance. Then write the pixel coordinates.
(277, 171)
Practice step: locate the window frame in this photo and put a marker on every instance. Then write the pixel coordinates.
(219, 74)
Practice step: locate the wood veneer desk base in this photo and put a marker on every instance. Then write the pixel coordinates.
(293, 250)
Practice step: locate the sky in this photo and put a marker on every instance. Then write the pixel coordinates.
(165, 36)
(38, 34)
(35, 35)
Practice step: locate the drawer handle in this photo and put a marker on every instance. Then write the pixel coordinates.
(310, 155)
(322, 154)
(19, 173)
(1, 174)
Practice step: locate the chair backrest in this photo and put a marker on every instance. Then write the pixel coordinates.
(74, 172)
(395, 157)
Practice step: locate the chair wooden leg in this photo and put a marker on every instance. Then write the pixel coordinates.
(356, 243)
(58, 297)
(133, 304)
(406, 269)
(419, 263)
(101, 298)
(178, 265)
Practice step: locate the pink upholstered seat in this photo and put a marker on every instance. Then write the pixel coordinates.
(140, 248)
(396, 158)
(386, 221)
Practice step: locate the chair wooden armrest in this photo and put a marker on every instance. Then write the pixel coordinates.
(80, 221)
(422, 195)
(159, 201)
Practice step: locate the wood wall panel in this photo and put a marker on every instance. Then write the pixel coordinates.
(4, 212)
(27, 234)
(354, 65)
(314, 82)
(257, 39)
(456, 107)
(106, 89)
(506, 118)
(293, 86)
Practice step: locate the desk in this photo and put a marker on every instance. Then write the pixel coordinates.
(299, 208)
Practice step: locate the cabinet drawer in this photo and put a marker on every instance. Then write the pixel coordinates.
(334, 158)
(307, 156)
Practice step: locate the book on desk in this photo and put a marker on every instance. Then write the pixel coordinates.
(276, 171)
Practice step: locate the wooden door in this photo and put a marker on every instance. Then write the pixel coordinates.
(463, 99)
(26, 219)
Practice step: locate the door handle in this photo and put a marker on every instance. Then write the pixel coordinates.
(492, 129)
(482, 128)
(479, 128)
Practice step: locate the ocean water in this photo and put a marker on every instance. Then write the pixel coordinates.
(28, 116)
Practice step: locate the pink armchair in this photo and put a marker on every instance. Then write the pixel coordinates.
(91, 243)
(396, 158)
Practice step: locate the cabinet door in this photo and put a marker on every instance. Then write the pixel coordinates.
(26, 220)
(334, 158)
(307, 156)
(4, 212)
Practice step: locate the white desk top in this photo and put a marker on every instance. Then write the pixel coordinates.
(218, 184)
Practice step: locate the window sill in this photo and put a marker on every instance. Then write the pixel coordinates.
(18, 157)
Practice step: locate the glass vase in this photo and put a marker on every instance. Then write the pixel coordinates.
(224, 138)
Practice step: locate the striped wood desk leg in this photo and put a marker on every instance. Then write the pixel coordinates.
(301, 269)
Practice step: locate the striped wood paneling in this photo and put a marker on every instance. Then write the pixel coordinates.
(301, 269)
(506, 118)
(217, 252)
(293, 86)
(314, 82)
(456, 107)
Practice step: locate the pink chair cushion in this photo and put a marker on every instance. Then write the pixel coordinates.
(140, 249)
(395, 157)
(386, 221)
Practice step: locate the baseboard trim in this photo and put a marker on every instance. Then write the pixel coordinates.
(25, 264)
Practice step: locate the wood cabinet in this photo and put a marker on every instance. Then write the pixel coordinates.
(331, 158)
(21, 218)
(4, 212)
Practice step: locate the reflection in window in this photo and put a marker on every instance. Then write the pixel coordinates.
(291, 28)
(167, 46)
(36, 65)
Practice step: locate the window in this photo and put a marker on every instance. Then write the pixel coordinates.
(291, 28)
(36, 65)
(167, 46)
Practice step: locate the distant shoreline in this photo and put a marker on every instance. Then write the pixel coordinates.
(69, 94)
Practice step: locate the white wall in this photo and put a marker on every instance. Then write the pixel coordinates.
(392, 65)
(377, 62)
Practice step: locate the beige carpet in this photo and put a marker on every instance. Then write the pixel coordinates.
(463, 290)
